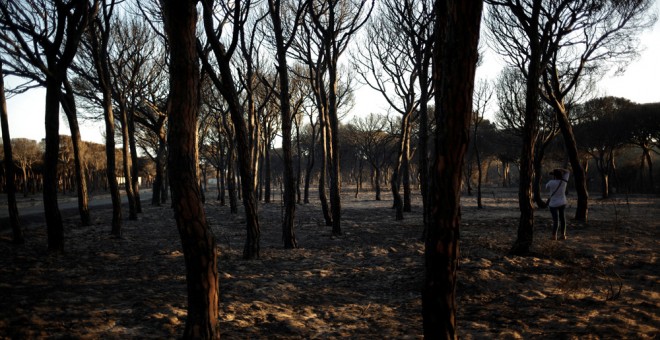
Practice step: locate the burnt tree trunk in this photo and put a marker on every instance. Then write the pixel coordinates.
(579, 176)
(456, 57)
(538, 171)
(288, 234)
(128, 165)
(324, 170)
(99, 43)
(525, 234)
(405, 173)
(54, 224)
(197, 240)
(135, 175)
(69, 106)
(268, 180)
(14, 221)
(308, 169)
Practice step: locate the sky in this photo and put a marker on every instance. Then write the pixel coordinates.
(640, 83)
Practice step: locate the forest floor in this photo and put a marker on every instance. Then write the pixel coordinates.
(600, 283)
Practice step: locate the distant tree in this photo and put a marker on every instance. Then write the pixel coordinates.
(455, 62)
(482, 97)
(603, 134)
(26, 153)
(642, 125)
(199, 247)
(335, 23)
(387, 65)
(374, 144)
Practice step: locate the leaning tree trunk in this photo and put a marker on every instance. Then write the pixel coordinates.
(198, 243)
(69, 105)
(579, 176)
(456, 61)
(14, 222)
(103, 71)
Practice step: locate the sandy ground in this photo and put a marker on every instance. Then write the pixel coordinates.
(601, 283)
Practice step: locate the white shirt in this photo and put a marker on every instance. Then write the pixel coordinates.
(559, 197)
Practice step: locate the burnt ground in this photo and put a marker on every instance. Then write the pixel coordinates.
(601, 283)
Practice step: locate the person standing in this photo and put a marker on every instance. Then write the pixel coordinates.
(557, 201)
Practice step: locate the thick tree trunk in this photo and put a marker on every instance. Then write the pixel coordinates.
(52, 211)
(111, 170)
(456, 62)
(525, 235)
(335, 163)
(14, 221)
(479, 172)
(423, 141)
(198, 243)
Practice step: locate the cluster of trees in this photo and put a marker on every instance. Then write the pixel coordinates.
(211, 85)
(28, 158)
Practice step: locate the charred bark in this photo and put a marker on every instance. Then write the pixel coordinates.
(14, 220)
(197, 240)
(456, 57)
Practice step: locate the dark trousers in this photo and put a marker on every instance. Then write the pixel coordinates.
(558, 214)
